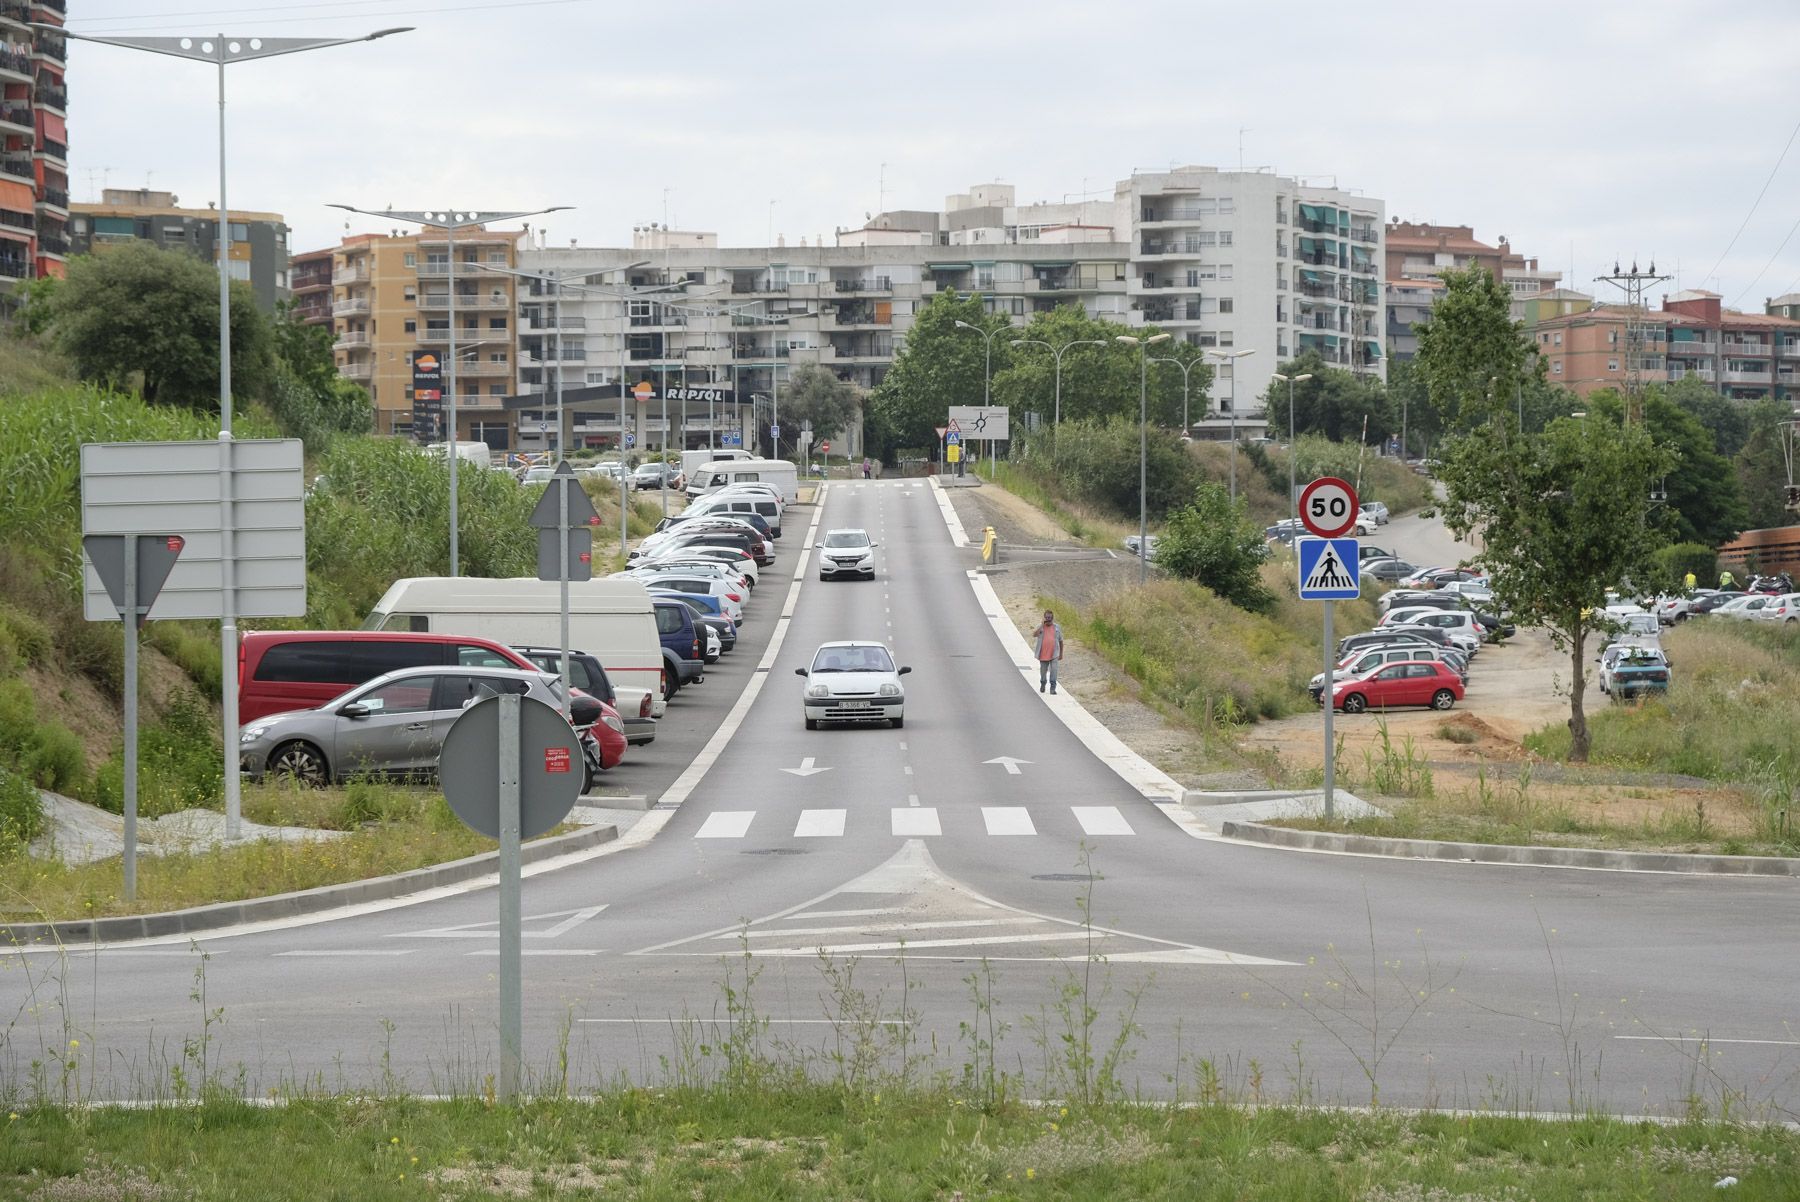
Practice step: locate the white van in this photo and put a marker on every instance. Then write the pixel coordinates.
(477, 453)
(612, 620)
(716, 475)
(693, 461)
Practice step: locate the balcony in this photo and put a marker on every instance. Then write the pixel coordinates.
(569, 354)
(880, 283)
(482, 367)
(17, 221)
(57, 247)
(16, 11)
(1678, 372)
(1364, 234)
(464, 300)
(53, 150)
(351, 340)
(1694, 346)
(1749, 377)
(16, 113)
(51, 46)
(309, 281)
(13, 63)
(51, 95)
(356, 371)
(343, 308)
(19, 168)
(1758, 350)
(466, 336)
(538, 324)
(56, 198)
(352, 274)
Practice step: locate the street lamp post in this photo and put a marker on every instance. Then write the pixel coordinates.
(987, 373)
(1143, 345)
(1293, 503)
(450, 222)
(223, 51)
(1184, 366)
(1056, 422)
(1232, 357)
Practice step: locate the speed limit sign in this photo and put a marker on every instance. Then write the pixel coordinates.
(1328, 507)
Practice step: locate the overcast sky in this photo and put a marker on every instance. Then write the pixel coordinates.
(1582, 130)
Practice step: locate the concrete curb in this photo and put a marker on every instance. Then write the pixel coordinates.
(1492, 853)
(290, 905)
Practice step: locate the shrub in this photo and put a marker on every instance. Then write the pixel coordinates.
(55, 759)
(179, 765)
(1673, 563)
(1097, 462)
(194, 648)
(21, 811)
(18, 720)
(29, 636)
(1212, 543)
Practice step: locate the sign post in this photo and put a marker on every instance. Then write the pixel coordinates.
(1329, 571)
(563, 517)
(508, 771)
(134, 568)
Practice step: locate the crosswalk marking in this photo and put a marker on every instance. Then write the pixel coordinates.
(819, 824)
(915, 821)
(1007, 820)
(1102, 820)
(726, 824)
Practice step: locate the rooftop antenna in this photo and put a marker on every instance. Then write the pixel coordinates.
(881, 194)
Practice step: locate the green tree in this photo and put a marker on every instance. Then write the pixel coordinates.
(1335, 403)
(1727, 420)
(1101, 381)
(1561, 516)
(1701, 491)
(1473, 357)
(1212, 541)
(305, 393)
(938, 366)
(1762, 469)
(141, 315)
(816, 397)
(1410, 404)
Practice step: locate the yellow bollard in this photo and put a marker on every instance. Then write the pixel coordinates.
(990, 545)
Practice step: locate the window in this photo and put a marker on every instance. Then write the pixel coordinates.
(1225, 271)
(411, 294)
(496, 390)
(1225, 338)
(1612, 337)
(1559, 338)
(1225, 206)
(408, 695)
(343, 661)
(281, 279)
(1224, 304)
(480, 657)
(495, 258)
(240, 232)
(412, 258)
(412, 327)
(1612, 365)
(1224, 237)
(496, 323)
(1556, 367)
(1193, 278)
(239, 269)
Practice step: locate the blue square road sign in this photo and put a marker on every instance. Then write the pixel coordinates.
(1329, 569)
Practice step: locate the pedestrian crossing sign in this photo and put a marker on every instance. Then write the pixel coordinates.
(1328, 569)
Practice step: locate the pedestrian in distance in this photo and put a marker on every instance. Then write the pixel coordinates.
(1726, 579)
(1048, 646)
(1689, 582)
(865, 467)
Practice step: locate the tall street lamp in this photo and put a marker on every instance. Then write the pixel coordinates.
(223, 52)
(987, 370)
(1143, 345)
(1293, 504)
(1184, 365)
(1232, 357)
(450, 222)
(1058, 352)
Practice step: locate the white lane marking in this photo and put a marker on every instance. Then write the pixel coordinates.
(310, 952)
(906, 768)
(871, 927)
(902, 744)
(845, 949)
(1780, 1043)
(726, 824)
(806, 767)
(1102, 820)
(912, 823)
(143, 949)
(1007, 820)
(785, 1022)
(542, 951)
(815, 824)
(491, 930)
(875, 912)
(912, 799)
(951, 521)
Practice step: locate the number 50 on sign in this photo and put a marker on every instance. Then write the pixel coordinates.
(1328, 507)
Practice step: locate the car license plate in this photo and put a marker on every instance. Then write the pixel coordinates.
(853, 705)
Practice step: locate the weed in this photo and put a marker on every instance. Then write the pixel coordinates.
(1396, 772)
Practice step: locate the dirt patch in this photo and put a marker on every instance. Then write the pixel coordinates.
(82, 706)
(1013, 520)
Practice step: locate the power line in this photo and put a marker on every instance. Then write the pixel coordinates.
(1792, 229)
(1756, 202)
(362, 11)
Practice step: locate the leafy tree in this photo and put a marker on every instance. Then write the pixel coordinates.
(1212, 541)
(1761, 468)
(1701, 490)
(144, 314)
(1473, 357)
(1727, 420)
(1097, 381)
(1562, 516)
(938, 366)
(818, 398)
(1335, 403)
(1676, 561)
(1097, 462)
(305, 392)
(1410, 404)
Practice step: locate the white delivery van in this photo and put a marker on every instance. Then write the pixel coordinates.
(477, 453)
(612, 620)
(693, 461)
(716, 475)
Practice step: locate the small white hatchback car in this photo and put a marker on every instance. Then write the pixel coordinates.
(846, 553)
(853, 682)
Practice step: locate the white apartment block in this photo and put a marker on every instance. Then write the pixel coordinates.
(1224, 260)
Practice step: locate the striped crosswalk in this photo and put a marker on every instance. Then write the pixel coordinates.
(912, 822)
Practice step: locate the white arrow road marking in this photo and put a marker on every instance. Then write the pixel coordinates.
(1102, 820)
(1007, 820)
(820, 824)
(491, 930)
(806, 768)
(725, 824)
(916, 821)
(1010, 763)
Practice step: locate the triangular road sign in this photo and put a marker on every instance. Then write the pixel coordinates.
(156, 556)
(548, 514)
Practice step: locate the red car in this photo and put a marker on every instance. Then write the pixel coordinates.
(1410, 682)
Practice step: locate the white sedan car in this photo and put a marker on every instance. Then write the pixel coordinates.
(853, 682)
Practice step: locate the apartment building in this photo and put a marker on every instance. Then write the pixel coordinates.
(34, 142)
(1223, 260)
(1746, 356)
(391, 300)
(258, 251)
(1408, 303)
(309, 283)
(1418, 253)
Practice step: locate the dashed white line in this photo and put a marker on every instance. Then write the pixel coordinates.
(1102, 820)
(822, 824)
(919, 822)
(311, 952)
(726, 824)
(1008, 820)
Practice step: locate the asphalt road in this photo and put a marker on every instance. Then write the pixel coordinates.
(909, 855)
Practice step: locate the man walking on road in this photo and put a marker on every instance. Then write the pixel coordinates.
(1049, 648)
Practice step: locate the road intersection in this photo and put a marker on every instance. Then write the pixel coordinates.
(985, 833)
